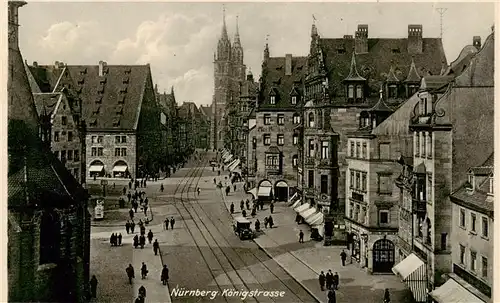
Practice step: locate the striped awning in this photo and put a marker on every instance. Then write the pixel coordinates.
(234, 165)
(264, 191)
(96, 168)
(413, 273)
(452, 292)
(307, 212)
(302, 207)
(120, 168)
(315, 219)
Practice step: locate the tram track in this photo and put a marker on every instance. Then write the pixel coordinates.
(230, 263)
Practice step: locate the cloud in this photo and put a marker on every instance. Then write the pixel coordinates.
(75, 42)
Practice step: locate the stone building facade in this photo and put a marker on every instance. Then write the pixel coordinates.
(445, 126)
(118, 101)
(344, 78)
(229, 72)
(48, 221)
(277, 114)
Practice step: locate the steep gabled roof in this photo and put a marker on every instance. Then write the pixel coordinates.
(391, 77)
(413, 75)
(274, 78)
(372, 65)
(480, 71)
(462, 61)
(120, 85)
(206, 111)
(353, 71)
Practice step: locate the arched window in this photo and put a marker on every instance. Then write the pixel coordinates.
(350, 93)
(49, 239)
(311, 120)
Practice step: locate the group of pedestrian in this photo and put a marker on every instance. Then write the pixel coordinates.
(330, 280)
(167, 222)
(115, 239)
(268, 221)
(130, 226)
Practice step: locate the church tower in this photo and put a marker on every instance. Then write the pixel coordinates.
(229, 72)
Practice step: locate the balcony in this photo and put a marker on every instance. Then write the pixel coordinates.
(273, 169)
(419, 206)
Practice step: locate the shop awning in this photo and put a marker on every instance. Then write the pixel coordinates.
(307, 213)
(319, 219)
(226, 160)
(302, 207)
(96, 168)
(253, 191)
(413, 273)
(296, 203)
(120, 168)
(281, 184)
(231, 163)
(264, 191)
(234, 165)
(315, 219)
(453, 292)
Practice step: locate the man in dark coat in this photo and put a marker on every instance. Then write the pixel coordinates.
(127, 226)
(232, 207)
(144, 270)
(336, 281)
(301, 236)
(156, 247)
(322, 280)
(119, 239)
(172, 222)
(271, 222)
(142, 292)
(142, 241)
(242, 205)
(93, 287)
(166, 222)
(136, 241)
(130, 273)
(332, 298)
(343, 257)
(164, 275)
(271, 207)
(150, 236)
(131, 213)
(132, 226)
(129, 196)
(329, 279)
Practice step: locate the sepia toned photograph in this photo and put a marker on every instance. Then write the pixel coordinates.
(250, 152)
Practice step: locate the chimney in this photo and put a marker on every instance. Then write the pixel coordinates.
(35, 64)
(288, 64)
(361, 43)
(415, 41)
(56, 64)
(348, 37)
(250, 77)
(476, 41)
(102, 64)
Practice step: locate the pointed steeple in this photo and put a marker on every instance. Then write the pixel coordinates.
(353, 73)
(314, 30)
(413, 75)
(237, 35)
(391, 76)
(266, 49)
(380, 106)
(224, 35)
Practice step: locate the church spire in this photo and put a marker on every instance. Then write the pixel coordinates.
(266, 49)
(224, 29)
(237, 34)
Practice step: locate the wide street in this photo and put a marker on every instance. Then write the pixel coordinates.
(202, 252)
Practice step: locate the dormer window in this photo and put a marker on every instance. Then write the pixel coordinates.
(470, 180)
(350, 94)
(359, 92)
(294, 100)
(393, 91)
(273, 99)
(311, 120)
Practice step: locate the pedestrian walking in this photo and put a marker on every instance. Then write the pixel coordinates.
(166, 222)
(131, 214)
(266, 221)
(164, 275)
(332, 298)
(130, 273)
(232, 207)
(329, 279)
(172, 222)
(136, 205)
(227, 190)
(336, 281)
(271, 207)
(144, 271)
(132, 226)
(254, 213)
(298, 219)
(145, 210)
(322, 280)
(387, 296)
(343, 257)
(156, 247)
(161, 187)
(244, 213)
(150, 236)
(142, 241)
(129, 185)
(124, 189)
(136, 241)
(257, 225)
(271, 222)
(215, 181)
(119, 239)
(93, 287)
(301, 236)
(242, 205)
(142, 291)
(247, 204)
(198, 191)
(234, 188)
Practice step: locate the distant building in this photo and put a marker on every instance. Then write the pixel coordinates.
(449, 123)
(48, 247)
(343, 79)
(119, 107)
(277, 114)
(229, 71)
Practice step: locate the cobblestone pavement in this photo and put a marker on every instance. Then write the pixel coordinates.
(305, 261)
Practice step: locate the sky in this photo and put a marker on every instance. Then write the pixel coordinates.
(178, 40)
